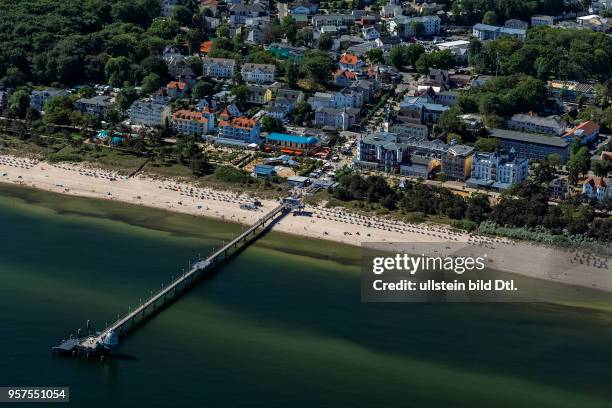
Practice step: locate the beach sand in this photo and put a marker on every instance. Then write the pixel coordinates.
(538, 261)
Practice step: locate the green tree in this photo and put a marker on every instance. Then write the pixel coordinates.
(18, 102)
(490, 18)
(118, 71)
(151, 83)
(325, 42)
(375, 56)
(241, 92)
(182, 15)
(289, 28)
(487, 144)
(270, 124)
(125, 98)
(317, 66)
(13, 78)
(292, 72)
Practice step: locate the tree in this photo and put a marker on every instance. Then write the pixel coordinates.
(241, 92)
(117, 71)
(202, 89)
(478, 207)
(375, 56)
(325, 42)
(450, 122)
(301, 114)
(270, 124)
(490, 18)
(317, 66)
(182, 15)
(195, 64)
(578, 163)
(413, 52)
(58, 111)
(18, 102)
(222, 31)
(125, 98)
(151, 83)
(292, 72)
(199, 164)
(13, 78)
(487, 144)
(304, 37)
(289, 28)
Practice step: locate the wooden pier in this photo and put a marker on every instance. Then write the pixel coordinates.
(98, 344)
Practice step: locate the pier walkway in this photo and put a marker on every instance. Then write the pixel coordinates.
(107, 338)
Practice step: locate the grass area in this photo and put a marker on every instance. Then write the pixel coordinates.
(168, 169)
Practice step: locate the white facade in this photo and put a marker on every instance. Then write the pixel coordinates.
(218, 67)
(258, 73)
(148, 113)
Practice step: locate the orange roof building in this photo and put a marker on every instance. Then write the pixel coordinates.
(586, 132)
(206, 46)
(351, 62)
(191, 122)
(241, 128)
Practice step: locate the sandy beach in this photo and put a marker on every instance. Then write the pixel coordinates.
(538, 261)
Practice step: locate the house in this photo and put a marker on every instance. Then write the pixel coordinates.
(457, 162)
(532, 146)
(410, 130)
(419, 166)
(263, 171)
(351, 62)
(345, 98)
(240, 11)
(571, 90)
(458, 48)
(536, 124)
(341, 119)
(302, 7)
(418, 109)
(206, 47)
(335, 20)
(257, 94)
(178, 89)
(491, 170)
(240, 128)
(559, 189)
(446, 98)
(293, 144)
(597, 188)
(218, 67)
(258, 73)
(405, 27)
(488, 32)
(437, 77)
(540, 20)
(343, 77)
(298, 181)
(38, 98)
(97, 105)
(586, 133)
(381, 150)
(150, 112)
(192, 122)
(255, 35)
(287, 99)
(387, 43)
(593, 22)
(516, 23)
(370, 33)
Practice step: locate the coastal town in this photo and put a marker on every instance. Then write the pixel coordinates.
(478, 116)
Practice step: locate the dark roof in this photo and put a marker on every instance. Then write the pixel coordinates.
(529, 137)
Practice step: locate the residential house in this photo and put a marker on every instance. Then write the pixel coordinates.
(536, 124)
(457, 162)
(256, 94)
(345, 98)
(258, 73)
(597, 188)
(593, 22)
(586, 132)
(532, 146)
(178, 89)
(263, 171)
(571, 90)
(351, 62)
(488, 32)
(381, 150)
(38, 98)
(192, 122)
(218, 67)
(241, 128)
(342, 119)
(343, 77)
(410, 130)
(459, 48)
(240, 11)
(335, 20)
(419, 107)
(419, 166)
(149, 112)
(97, 105)
(491, 170)
(370, 33)
(559, 189)
(447, 98)
(541, 20)
(287, 99)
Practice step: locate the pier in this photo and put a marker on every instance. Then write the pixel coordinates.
(103, 342)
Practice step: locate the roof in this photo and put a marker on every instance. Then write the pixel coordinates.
(262, 67)
(597, 182)
(589, 127)
(184, 114)
(180, 85)
(206, 46)
(241, 122)
(529, 138)
(282, 137)
(350, 59)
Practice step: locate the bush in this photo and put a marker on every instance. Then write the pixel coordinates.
(231, 175)
(465, 225)
(415, 216)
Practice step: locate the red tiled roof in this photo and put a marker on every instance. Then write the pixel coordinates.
(242, 123)
(180, 85)
(184, 114)
(348, 74)
(206, 46)
(589, 127)
(350, 59)
(596, 182)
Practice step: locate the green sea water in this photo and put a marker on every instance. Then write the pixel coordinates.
(281, 324)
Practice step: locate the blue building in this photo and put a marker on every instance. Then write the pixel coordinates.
(532, 146)
(263, 171)
(293, 144)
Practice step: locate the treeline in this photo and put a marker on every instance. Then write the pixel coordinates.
(524, 205)
(95, 41)
(473, 11)
(547, 52)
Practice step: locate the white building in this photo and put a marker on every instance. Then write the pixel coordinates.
(542, 21)
(494, 171)
(488, 32)
(148, 113)
(597, 188)
(218, 67)
(405, 26)
(258, 73)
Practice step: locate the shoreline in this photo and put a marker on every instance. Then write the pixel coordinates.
(331, 224)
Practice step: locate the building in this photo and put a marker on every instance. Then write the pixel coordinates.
(597, 188)
(491, 170)
(571, 90)
(342, 119)
(178, 89)
(459, 49)
(287, 99)
(240, 128)
(457, 162)
(148, 113)
(405, 27)
(381, 150)
(418, 109)
(351, 62)
(447, 98)
(263, 171)
(257, 94)
(536, 124)
(586, 133)
(532, 146)
(218, 67)
(191, 122)
(559, 189)
(39, 98)
(410, 130)
(488, 32)
(258, 73)
(419, 166)
(97, 105)
(335, 20)
(593, 22)
(370, 33)
(346, 98)
(293, 144)
(540, 20)
(241, 11)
